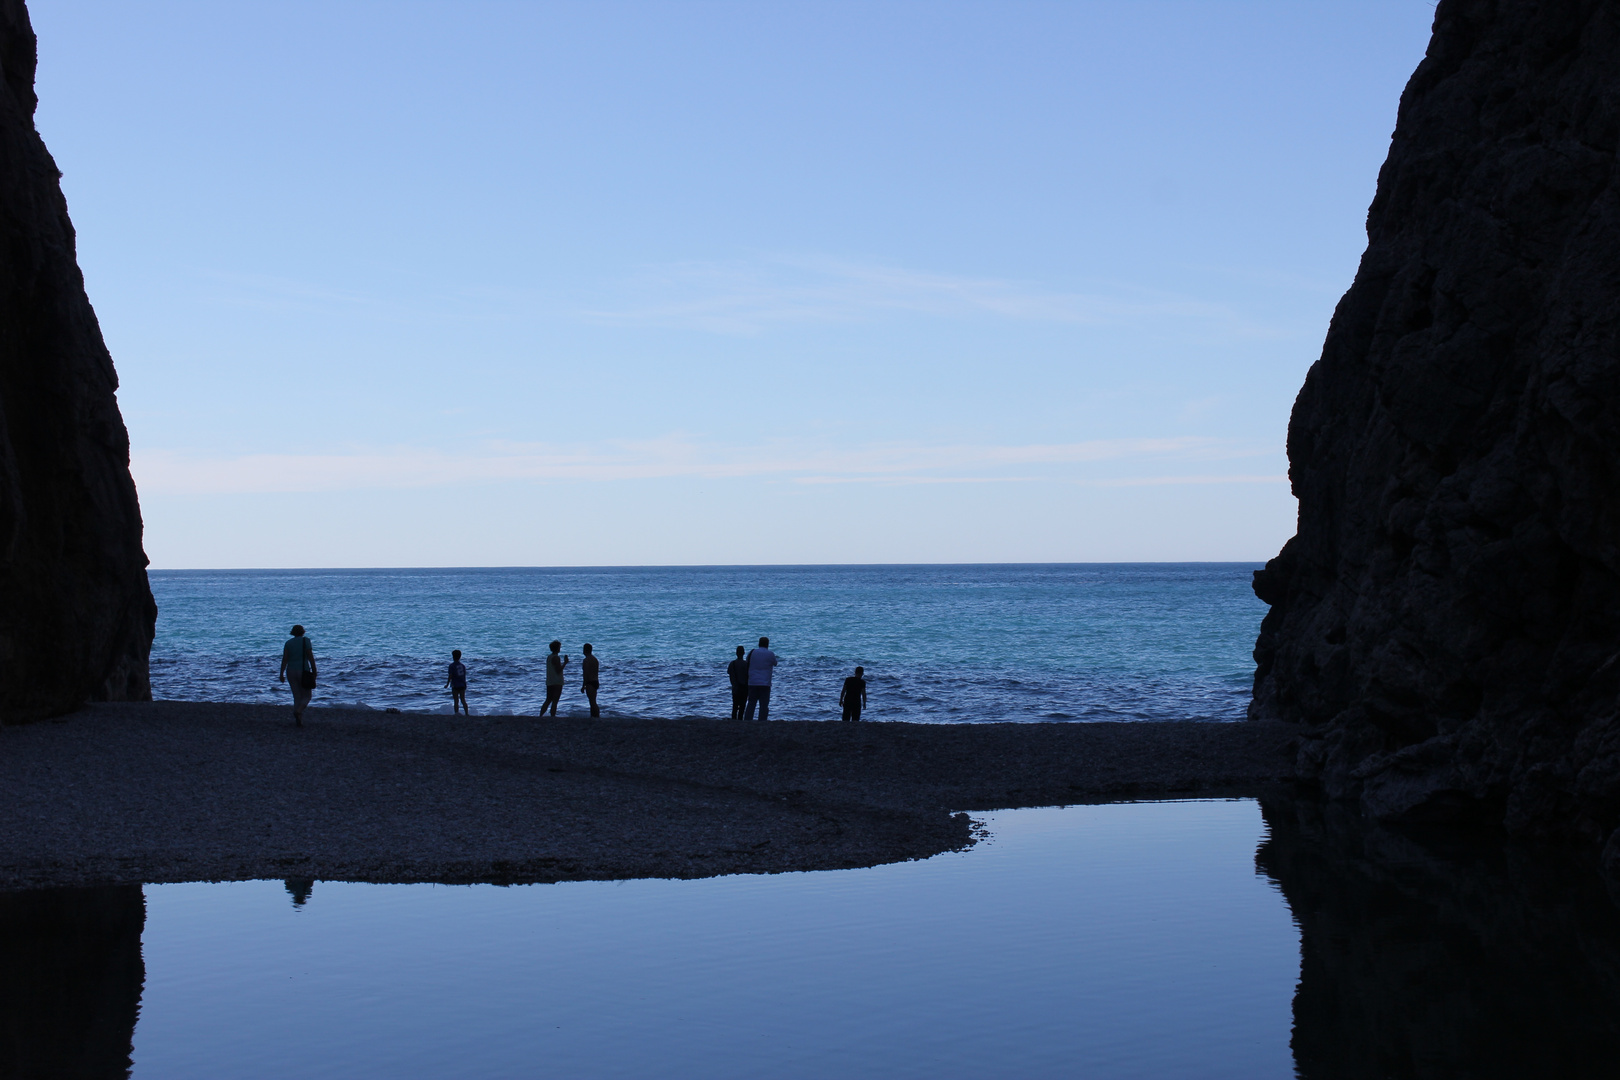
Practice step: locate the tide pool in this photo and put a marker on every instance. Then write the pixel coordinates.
(1146, 940)
(1128, 940)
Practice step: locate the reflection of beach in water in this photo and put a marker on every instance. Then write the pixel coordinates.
(1118, 940)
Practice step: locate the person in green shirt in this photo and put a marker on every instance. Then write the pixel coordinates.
(298, 660)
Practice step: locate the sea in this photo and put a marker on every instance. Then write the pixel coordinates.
(939, 643)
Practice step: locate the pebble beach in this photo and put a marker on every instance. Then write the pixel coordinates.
(194, 791)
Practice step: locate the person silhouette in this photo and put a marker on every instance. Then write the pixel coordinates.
(853, 696)
(588, 667)
(554, 678)
(456, 680)
(298, 660)
(737, 672)
(761, 662)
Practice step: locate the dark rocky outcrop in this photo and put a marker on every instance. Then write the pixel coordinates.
(1445, 626)
(76, 615)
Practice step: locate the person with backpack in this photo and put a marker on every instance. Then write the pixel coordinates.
(298, 660)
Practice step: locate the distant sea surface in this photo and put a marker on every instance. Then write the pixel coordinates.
(940, 644)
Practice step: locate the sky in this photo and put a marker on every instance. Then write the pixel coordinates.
(632, 283)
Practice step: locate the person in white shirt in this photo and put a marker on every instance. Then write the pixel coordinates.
(760, 663)
(554, 678)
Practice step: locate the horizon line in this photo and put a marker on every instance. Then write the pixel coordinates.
(694, 566)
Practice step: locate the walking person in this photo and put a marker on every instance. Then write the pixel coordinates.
(298, 660)
(589, 667)
(853, 696)
(456, 680)
(737, 672)
(761, 662)
(554, 678)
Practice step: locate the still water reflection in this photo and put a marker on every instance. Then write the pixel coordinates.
(1130, 940)
(1442, 956)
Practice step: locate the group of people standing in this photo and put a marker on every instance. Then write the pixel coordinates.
(750, 676)
(751, 681)
(556, 661)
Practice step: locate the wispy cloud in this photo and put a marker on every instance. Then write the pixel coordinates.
(1107, 482)
(748, 297)
(169, 472)
(738, 297)
(1161, 481)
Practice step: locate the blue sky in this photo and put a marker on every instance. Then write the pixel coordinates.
(411, 284)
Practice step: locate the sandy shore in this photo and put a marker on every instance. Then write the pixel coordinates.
(185, 791)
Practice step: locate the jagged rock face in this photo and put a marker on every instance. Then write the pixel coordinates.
(76, 615)
(1446, 623)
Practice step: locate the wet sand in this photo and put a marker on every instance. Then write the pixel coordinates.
(190, 791)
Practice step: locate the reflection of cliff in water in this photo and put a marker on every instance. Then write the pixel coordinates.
(70, 981)
(1442, 958)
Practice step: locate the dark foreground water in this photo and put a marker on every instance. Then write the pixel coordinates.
(1153, 641)
(1163, 940)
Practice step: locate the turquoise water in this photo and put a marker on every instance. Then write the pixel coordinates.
(940, 643)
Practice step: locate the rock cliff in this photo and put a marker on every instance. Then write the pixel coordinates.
(1445, 625)
(76, 616)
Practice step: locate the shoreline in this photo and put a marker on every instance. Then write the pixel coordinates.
(156, 792)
